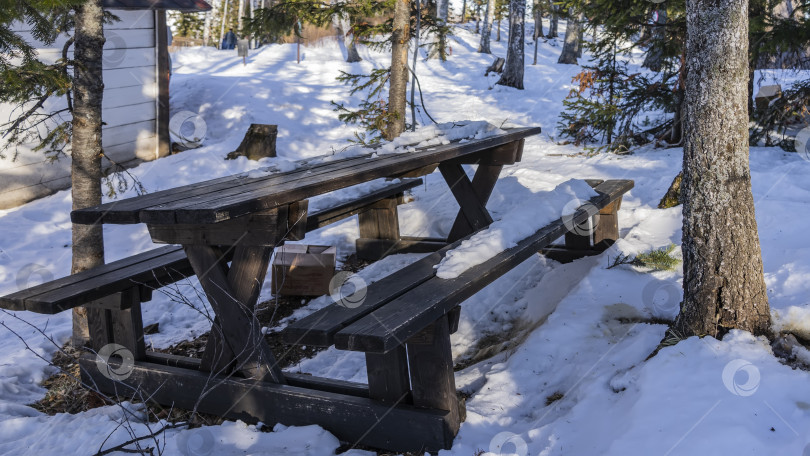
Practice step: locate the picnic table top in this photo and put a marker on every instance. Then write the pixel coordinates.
(229, 197)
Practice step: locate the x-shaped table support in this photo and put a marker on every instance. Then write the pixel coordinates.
(232, 292)
(472, 196)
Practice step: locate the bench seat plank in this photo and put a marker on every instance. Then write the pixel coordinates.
(388, 326)
(350, 208)
(151, 268)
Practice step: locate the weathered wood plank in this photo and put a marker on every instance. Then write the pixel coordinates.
(229, 297)
(319, 328)
(380, 220)
(471, 207)
(260, 195)
(352, 419)
(430, 360)
(375, 249)
(607, 230)
(16, 301)
(328, 216)
(127, 324)
(388, 378)
(293, 379)
(128, 210)
(263, 228)
(484, 180)
(383, 329)
(506, 154)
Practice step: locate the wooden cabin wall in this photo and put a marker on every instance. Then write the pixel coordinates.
(130, 110)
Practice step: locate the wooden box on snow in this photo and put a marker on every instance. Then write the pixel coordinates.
(303, 270)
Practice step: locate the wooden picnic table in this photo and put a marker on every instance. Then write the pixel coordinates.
(241, 219)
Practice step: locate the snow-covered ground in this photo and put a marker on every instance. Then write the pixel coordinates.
(574, 382)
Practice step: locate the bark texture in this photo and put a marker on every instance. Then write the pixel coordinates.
(344, 29)
(398, 82)
(553, 20)
(723, 280)
(572, 37)
(486, 28)
(513, 70)
(88, 88)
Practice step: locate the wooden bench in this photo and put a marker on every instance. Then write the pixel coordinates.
(404, 324)
(113, 292)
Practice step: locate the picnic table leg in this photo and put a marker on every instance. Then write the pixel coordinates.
(233, 296)
(607, 230)
(388, 379)
(217, 357)
(471, 197)
(431, 362)
(482, 185)
(117, 319)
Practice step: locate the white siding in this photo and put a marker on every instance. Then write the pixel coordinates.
(129, 110)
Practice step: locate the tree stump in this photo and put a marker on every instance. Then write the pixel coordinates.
(496, 67)
(259, 142)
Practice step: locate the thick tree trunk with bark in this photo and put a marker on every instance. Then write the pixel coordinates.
(513, 70)
(398, 82)
(723, 279)
(572, 36)
(486, 28)
(88, 87)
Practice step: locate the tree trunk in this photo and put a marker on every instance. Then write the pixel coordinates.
(463, 11)
(239, 14)
(538, 28)
(344, 29)
(222, 26)
(442, 8)
(88, 88)
(498, 36)
(513, 71)
(569, 50)
(486, 29)
(399, 69)
(723, 279)
(552, 25)
(207, 29)
(440, 47)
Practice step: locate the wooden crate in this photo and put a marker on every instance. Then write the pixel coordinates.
(303, 270)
